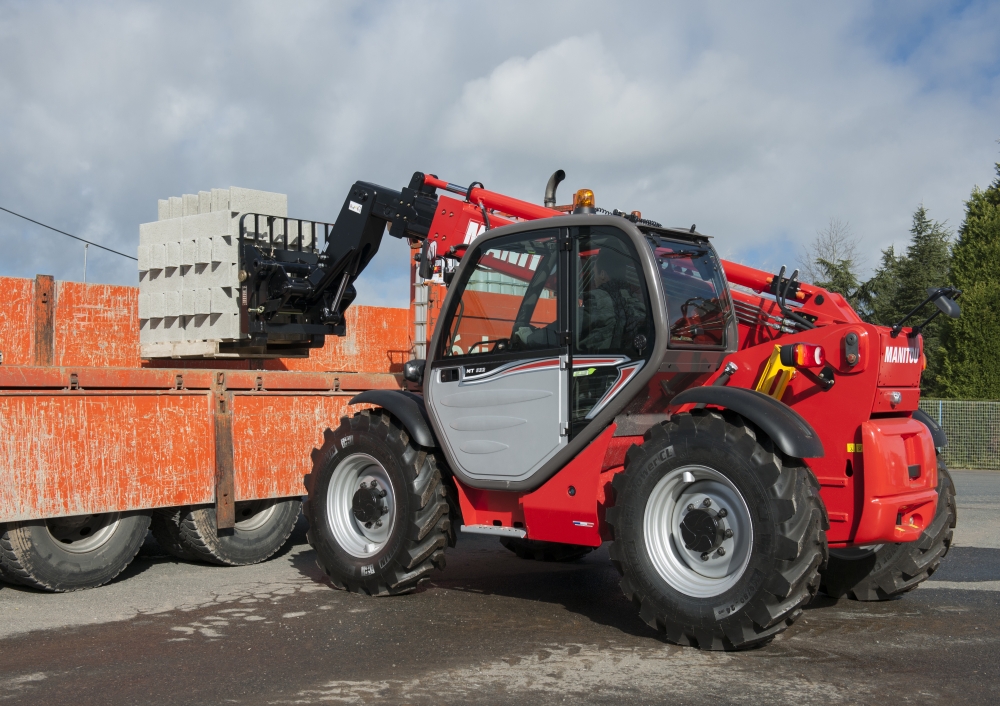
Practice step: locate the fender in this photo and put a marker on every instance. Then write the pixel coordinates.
(937, 433)
(786, 427)
(407, 407)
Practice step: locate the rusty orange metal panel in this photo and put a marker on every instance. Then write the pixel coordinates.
(30, 377)
(274, 437)
(17, 321)
(377, 341)
(71, 453)
(96, 325)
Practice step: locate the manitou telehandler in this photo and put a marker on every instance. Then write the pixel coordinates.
(741, 439)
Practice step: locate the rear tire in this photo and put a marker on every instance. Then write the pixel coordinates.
(71, 553)
(545, 551)
(165, 526)
(262, 528)
(378, 509)
(718, 537)
(889, 570)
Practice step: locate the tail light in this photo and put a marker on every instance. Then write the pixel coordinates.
(803, 355)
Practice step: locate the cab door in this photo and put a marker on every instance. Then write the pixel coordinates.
(498, 386)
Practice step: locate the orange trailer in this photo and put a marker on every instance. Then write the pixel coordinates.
(96, 442)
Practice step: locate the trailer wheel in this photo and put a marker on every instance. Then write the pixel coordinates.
(262, 528)
(545, 551)
(71, 553)
(377, 508)
(718, 537)
(885, 571)
(165, 526)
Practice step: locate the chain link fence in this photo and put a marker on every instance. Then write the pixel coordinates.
(973, 430)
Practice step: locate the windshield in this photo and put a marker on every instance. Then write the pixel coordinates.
(694, 285)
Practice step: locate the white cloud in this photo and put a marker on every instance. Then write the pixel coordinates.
(757, 122)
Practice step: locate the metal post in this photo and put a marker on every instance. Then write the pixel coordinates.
(86, 246)
(940, 403)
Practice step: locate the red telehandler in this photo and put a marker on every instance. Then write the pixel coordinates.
(743, 440)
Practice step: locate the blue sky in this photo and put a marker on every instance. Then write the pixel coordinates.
(759, 122)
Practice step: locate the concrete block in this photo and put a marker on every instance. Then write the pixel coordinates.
(253, 201)
(202, 302)
(154, 305)
(157, 256)
(189, 251)
(190, 205)
(224, 301)
(204, 255)
(173, 254)
(205, 225)
(204, 201)
(188, 302)
(172, 303)
(143, 306)
(143, 255)
(220, 200)
(162, 210)
(221, 274)
(176, 207)
(224, 248)
(160, 231)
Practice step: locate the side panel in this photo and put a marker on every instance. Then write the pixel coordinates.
(503, 425)
(70, 454)
(66, 454)
(274, 438)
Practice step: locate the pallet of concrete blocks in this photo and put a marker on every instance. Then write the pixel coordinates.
(189, 271)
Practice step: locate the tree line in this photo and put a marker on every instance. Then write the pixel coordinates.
(963, 355)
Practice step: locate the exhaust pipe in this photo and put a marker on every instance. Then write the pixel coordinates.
(550, 188)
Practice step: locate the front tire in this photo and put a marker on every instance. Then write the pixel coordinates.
(718, 537)
(888, 570)
(378, 509)
(71, 553)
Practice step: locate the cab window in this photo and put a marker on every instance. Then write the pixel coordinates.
(697, 304)
(509, 300)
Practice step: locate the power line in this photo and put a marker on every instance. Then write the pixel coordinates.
(62, 232)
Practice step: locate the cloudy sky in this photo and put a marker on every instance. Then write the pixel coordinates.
(758, 121)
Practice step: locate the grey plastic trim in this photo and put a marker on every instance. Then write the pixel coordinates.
(495, 531)
(407, 407)
(937, 433)
(786, 427)
(616, 405)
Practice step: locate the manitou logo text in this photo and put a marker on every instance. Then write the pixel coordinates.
(901, 354)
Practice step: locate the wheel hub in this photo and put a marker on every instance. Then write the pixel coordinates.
(367, 504)
(702, 530)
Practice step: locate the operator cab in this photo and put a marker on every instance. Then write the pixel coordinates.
(550, 328)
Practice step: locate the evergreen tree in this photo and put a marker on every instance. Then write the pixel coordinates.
(926, 265)
(971, 344)
(876, 297)
(838, 276)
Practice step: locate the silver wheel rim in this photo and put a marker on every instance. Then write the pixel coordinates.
(83, 533)
(351, 534)
(256, 514)
(684, 569)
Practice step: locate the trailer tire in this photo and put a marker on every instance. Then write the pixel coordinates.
(385, 538)
(165, 526)
(737, 573)
(71, 553)
(545, 551)
(889, 570)
(262, 528)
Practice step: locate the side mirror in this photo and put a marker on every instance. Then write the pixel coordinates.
(948, 306)
(413, 370)
(428, 254)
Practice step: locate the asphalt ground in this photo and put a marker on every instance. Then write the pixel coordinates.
(491, 628)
